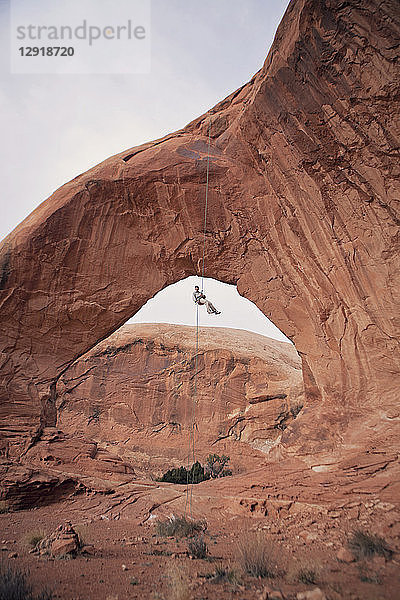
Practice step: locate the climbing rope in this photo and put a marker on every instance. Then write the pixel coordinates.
(205, 208)
(192, 435)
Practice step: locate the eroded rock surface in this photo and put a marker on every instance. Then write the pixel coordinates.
(135, 394)
(64, 542)
(303, 218)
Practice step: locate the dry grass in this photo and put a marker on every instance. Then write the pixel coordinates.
(179, 583)
(257, 555)
(179, 527)
(366, 545)
(33, 538)
(368, 575)
(14, 586)
(306, 571)
(197, 547)
(223, 575)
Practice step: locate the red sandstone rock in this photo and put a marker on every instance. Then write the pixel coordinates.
(345, 556)
(315, 594)
(303, 218)
(134, 392)
(62, 542)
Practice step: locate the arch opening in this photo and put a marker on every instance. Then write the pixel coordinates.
(174, 305)
(132, 394)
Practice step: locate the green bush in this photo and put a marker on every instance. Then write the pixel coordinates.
(215, 466)
(182, 476)
(179, 475)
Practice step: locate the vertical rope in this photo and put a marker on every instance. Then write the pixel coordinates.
(206, 207)
(192, 435)
(191, 449)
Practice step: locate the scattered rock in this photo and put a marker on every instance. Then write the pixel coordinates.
(63, 541)
(379, 561)
(268, 593)
(88, 549)
(315, 594)
(63, 546)
(345, 556)
(386, 506)
(13, 555)
(264, 593)
(275, 595)
(124, 568)
(308, 536)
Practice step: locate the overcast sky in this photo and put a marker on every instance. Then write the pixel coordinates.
(174, 304)
(54, 127)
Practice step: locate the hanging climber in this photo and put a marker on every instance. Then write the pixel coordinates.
(200, 298)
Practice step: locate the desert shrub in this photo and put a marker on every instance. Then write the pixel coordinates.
(367, 575)
(226, 473)
(33, 538)
(303, 571)
(222, 574)
(257, 556)
(197, 547)
(178, 475)
(307, 574)
(14, 586)
(365, 545)
(215, 466)
(179, 527)
(197, 474)
(4, 508)
(182, 476)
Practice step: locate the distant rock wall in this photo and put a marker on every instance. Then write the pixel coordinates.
(303, 218)
(136, 395)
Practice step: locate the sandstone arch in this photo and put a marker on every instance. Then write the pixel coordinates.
(302, 218)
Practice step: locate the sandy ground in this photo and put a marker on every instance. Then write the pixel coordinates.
(125, 558)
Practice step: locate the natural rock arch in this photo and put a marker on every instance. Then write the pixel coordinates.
(301, 218)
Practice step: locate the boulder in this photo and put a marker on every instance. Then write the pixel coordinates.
(344, 555)
(315, 594)
(62, 542)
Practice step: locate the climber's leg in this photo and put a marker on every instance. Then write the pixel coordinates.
(211, 308)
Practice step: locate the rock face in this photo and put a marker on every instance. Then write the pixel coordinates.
(302, 217)
(62, 542)
(134, 395)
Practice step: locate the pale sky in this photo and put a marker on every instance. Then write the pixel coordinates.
(174, 304)
(54, 127)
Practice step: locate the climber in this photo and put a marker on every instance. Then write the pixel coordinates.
(200, 298)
